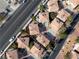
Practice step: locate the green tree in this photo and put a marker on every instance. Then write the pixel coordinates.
(42, 8)
(62, 33)
(70, 19)
(34, 18)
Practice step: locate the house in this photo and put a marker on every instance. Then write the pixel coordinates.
(37, 51)
(73, 3)
(19, 53)
(75, 51)
(43, 40)
(63, 15)
(53, 5)
(12, 54)
(34, 29)
(73, 55)
(76, 47)
(44, 18)
(23, 42)
(55, 26)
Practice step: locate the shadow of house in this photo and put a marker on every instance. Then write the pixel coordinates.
(60, 4)
(42, 27)
(21, 52)
(49, 36)
(52, 16)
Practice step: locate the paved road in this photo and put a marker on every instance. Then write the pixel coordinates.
(15, 21)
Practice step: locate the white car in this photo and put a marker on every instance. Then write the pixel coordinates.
(24, 1)
(12, 38)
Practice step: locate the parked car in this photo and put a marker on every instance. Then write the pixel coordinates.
(14, 37)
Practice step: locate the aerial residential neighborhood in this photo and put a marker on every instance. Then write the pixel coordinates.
(39, 29)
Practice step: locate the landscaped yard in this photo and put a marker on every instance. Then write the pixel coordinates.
(62, 33)
(69, 21)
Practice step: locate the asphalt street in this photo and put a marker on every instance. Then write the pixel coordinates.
(15, 21)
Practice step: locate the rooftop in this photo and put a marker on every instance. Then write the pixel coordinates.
(55, 25)
(43, 17)
(36, 51)
(74, 2)
(75, 55)
(12, 54)
(33, 28)
(63, 15)
(43, 40)
(23, 42)
(53, 6)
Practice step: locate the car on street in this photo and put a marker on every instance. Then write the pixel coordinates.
(14, 37)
